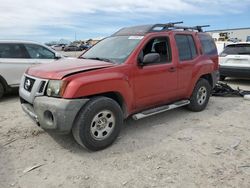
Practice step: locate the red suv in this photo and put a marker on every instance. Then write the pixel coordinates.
(138, 71)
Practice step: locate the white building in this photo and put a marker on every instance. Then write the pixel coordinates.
(238, 33)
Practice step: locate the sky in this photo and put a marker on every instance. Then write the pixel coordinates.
(50, 20)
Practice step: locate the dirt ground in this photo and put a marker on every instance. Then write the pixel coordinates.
(178, 148)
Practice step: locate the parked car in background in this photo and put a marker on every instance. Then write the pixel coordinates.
(248, 39)
(58, 47)
(84, 47)
(71, 48)
(234, 60)
(17, 56)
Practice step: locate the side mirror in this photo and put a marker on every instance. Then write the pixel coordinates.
(58, 56)
(151, 58)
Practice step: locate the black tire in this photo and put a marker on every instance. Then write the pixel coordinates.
(1, 90)
(222, 78)
(87, 121)
(200, 96)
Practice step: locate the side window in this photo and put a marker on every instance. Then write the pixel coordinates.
(159, 45)
(186, 47)
(39, 52)
(12, 50)
(208, 45)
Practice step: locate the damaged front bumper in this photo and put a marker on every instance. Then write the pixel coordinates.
(54, 113)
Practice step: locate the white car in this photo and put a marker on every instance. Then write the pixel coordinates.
(17, 56)
(234, 60)
(58, 47)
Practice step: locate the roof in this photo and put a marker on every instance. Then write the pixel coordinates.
(26, 42)
(20, 41)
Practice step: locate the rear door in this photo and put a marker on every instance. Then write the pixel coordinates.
(14, 60)
(187, 55)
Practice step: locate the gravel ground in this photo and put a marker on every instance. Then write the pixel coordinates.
(178, 148)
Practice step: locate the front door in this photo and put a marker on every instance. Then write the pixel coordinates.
(155, 83)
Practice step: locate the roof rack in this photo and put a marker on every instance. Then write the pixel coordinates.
(172, 25)
(144, 29)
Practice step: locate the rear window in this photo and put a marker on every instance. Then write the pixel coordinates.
(208, 45)
(237, 49)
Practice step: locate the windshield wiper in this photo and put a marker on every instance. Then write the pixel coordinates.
(99, 59)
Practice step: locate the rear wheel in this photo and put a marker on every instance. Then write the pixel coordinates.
(1, 90)
(200, 96)
(98, 123)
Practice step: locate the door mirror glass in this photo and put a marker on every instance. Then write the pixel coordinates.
(151, 58)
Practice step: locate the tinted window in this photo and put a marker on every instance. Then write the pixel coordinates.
(158, 45)
(208, 45)
(12, 51)
(39, 52)
(186, 47)
(237, 49)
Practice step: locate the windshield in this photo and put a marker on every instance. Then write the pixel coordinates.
(237, 49)
(113, 49)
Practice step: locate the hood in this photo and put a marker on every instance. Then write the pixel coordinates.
(61, 68)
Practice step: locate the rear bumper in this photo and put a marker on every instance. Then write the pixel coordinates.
(53, 113)
(235, 71)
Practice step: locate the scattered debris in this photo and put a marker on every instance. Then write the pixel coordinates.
(32, 168)
(10, 141)
(232, 147)
(13, 184)
(224, 90)
(185, 138)
(247, 97)
(236, 144)
(86, 177)
(149, 157)
(244, 166)
(124, 183)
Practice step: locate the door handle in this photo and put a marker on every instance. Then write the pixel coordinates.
(172, 69)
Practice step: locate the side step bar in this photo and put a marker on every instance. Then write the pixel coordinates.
(160, 109)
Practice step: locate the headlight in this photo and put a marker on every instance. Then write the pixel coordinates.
(56, 88)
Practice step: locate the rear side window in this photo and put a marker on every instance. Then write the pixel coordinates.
(186, 47)
(208, 45)
(237, 49)
(39, 52)
(12, 51)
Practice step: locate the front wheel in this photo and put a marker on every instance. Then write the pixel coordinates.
(200, 96)
(98, 123)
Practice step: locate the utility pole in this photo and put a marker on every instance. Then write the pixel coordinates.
(75, 40)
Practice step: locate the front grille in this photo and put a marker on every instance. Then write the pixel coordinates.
(42, 86)
(28, 83)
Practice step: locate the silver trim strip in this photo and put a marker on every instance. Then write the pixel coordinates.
(160, 109)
